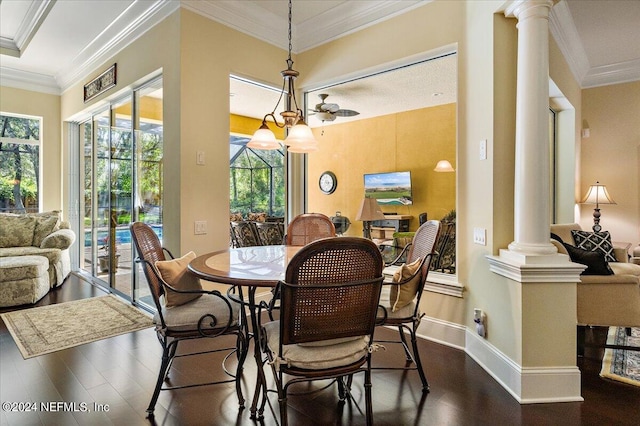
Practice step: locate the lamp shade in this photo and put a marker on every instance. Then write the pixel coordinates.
(369, 210)
(597, 195)
(444, 166)
(263, 138)
(301, 139)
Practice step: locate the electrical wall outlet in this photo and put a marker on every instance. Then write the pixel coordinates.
(480, 319)
(200, 227)
(477, 314)
(480, 236)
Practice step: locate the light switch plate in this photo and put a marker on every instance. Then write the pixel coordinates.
(200, 158)
(483, 149)
(480, 236)
(200, 227)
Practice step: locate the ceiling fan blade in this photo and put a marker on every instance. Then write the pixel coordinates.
(330, 107)
(346, 113)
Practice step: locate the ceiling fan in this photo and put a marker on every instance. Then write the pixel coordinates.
(329, 112)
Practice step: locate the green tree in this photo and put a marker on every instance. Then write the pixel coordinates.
(19, 162)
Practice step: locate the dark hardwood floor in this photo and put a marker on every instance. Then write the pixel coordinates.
(119, 374)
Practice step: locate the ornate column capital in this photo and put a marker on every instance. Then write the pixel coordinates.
(523, 9)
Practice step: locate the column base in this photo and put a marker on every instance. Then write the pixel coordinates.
(522, 267)
(533, 249)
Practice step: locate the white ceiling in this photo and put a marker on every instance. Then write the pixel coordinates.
(599, 38)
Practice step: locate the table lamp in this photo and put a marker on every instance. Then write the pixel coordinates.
(369, 211)
(597, 195)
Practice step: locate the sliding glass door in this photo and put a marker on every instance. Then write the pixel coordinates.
(121, 183)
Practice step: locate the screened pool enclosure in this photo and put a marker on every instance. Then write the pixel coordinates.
(256, 181)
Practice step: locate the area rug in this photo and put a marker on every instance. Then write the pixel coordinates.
(46, 329)
(618, 364)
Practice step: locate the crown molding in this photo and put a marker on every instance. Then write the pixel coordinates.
(35, 16)
(622, 72)
(563, 29)
(28, 81)
(136, 20)
(240, 16)
(347, 18)
(341, 20)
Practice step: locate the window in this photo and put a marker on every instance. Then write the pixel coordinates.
(19, 163)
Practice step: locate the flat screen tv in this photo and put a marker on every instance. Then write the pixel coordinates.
(392, 188)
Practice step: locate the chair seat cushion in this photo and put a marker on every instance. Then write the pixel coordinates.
(402, 313)
(185, 317)
(334, 353)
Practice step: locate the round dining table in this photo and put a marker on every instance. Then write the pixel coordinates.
(251, 268)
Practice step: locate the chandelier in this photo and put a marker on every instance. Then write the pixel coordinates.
(299, 136)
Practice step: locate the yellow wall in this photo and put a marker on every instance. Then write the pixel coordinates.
(611, 155)
(409, 141)
(150, 108)
(47, 106)
(247, 126)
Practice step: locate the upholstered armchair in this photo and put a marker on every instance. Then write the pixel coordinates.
(609, 299)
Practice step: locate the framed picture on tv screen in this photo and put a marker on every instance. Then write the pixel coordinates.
(390, 188)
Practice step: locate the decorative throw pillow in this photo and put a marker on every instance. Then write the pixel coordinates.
(595, 241)
(17, 231)
(45, 225)
(175, 273)
(596, 265)
(403, 294)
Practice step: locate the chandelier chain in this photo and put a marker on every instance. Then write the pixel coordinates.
(290, 44)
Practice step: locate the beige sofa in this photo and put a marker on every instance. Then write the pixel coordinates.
(607, 300)
(24, 241)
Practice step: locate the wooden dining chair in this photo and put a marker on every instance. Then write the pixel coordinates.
(302, 230)
(329, 302)
(309, 227)
(400, 299)
(186, 314)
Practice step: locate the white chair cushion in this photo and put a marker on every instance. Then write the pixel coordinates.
(185, 317)
(404, 312)
(334, 353)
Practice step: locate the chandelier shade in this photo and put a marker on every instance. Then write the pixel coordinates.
(264, 139)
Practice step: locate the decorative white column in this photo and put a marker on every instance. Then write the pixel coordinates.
(531, 209)
(544, 281)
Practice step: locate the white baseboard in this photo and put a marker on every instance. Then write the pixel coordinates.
(526, 385)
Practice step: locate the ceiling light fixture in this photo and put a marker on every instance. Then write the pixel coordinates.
(299, 136)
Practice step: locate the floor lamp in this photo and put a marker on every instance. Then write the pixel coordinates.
(369, 211)
(597, 195)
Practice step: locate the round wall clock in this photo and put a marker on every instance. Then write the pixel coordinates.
(328, 182)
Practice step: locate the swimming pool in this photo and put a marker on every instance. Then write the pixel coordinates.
(123, 235)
